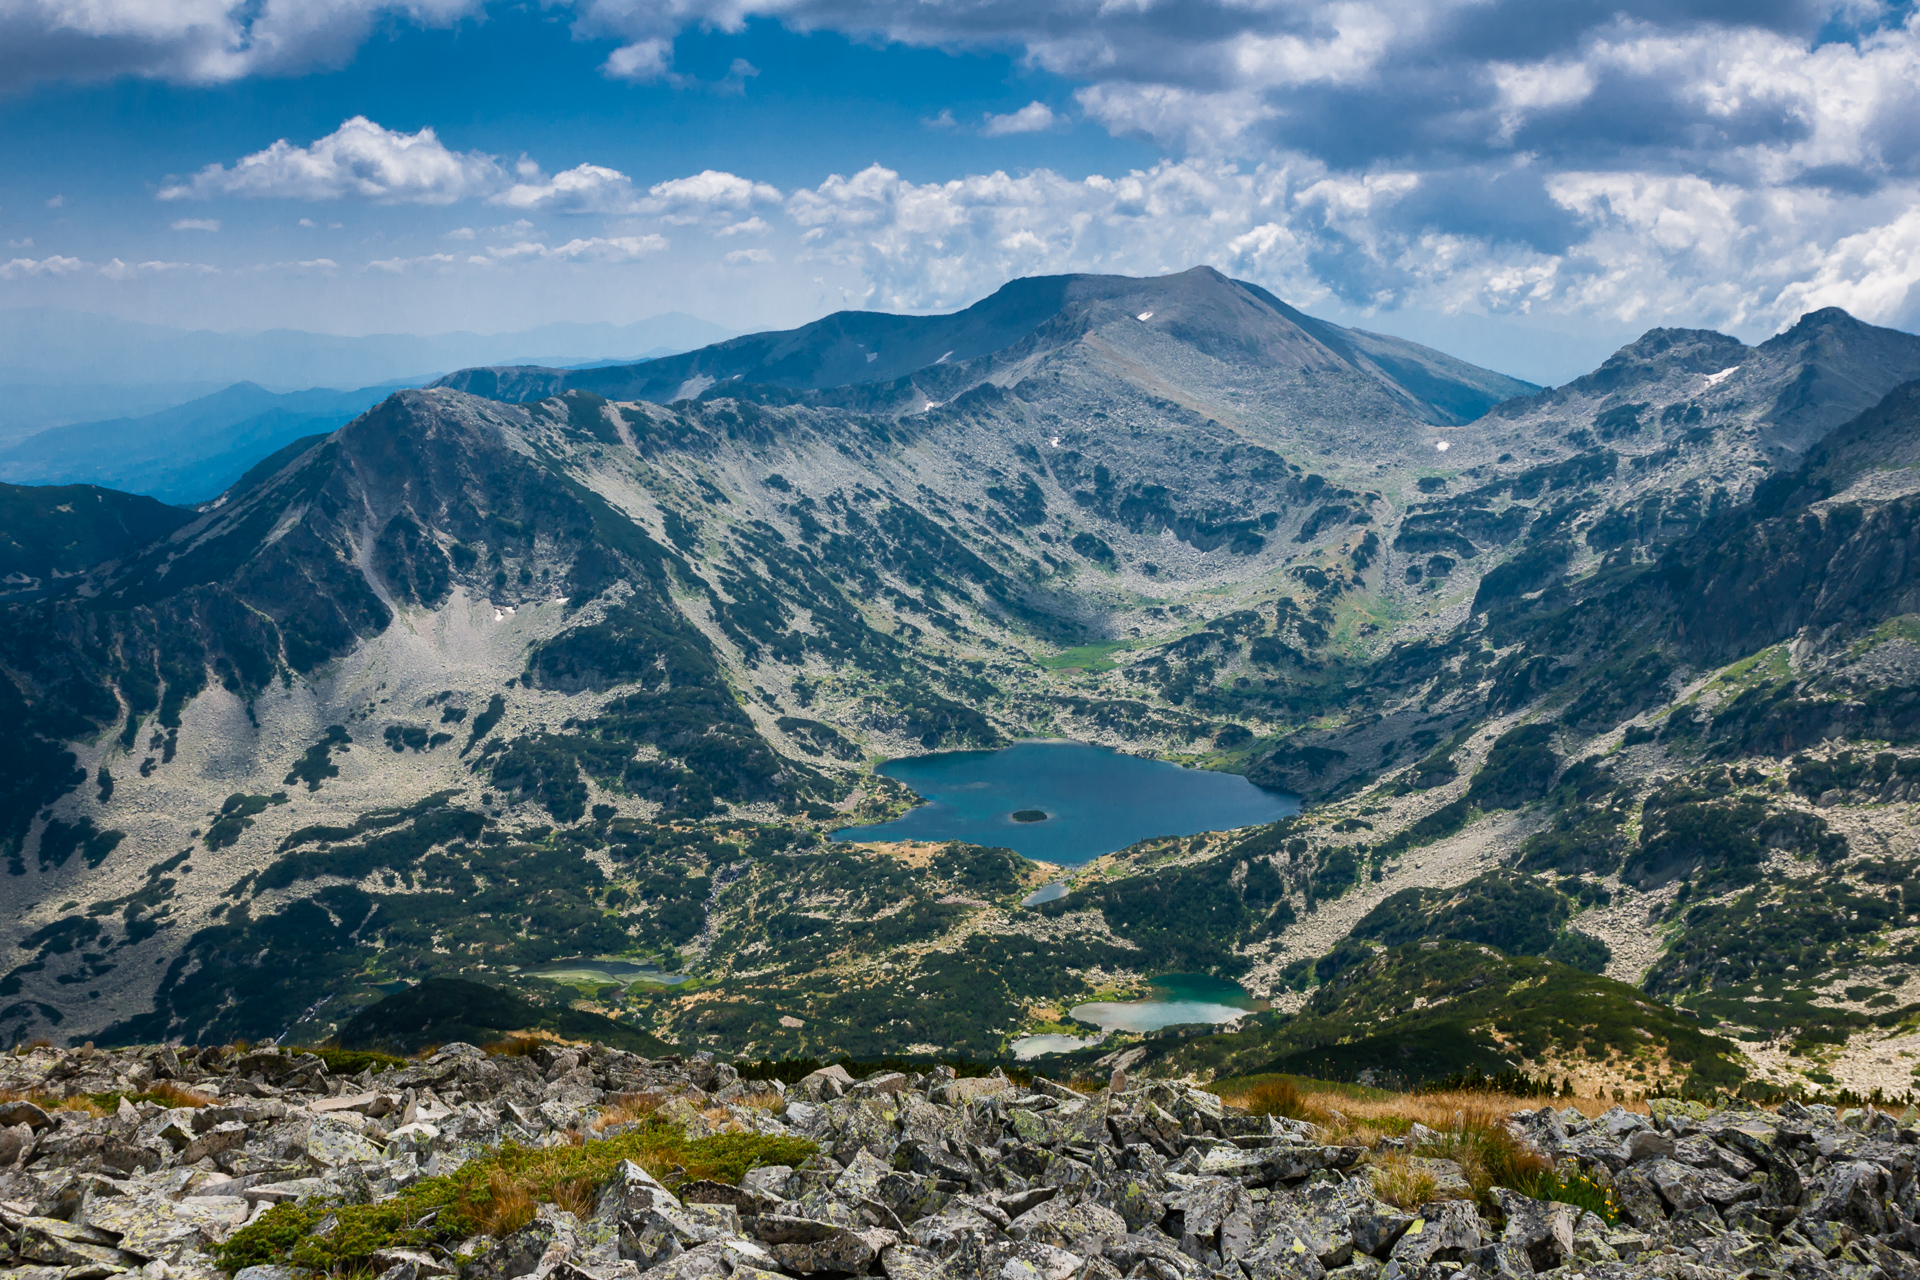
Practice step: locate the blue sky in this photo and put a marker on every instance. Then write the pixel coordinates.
(1524, 183)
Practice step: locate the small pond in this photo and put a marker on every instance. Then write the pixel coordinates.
(1046, 893)
(1177, 998)
(1094, 800)
(603, 969)
(1027, 1048)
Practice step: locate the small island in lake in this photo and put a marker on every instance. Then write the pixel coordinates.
(1031, 815)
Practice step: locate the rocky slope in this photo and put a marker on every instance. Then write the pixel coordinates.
(476, 685)
(183, 1161)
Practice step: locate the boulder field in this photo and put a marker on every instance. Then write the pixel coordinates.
(170, 1162)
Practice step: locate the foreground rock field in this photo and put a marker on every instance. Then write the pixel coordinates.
(591, 1163)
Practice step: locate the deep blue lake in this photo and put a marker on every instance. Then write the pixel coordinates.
(1097, 800)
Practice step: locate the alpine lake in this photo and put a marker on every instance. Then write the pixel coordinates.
(1068, 803)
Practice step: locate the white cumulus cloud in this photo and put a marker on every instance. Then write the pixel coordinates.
(194, 41)
(1674, 162)
(118, 270)
(1647, 246)
(360, 160)
(1035, 117)
(709, 191)
(400, 266)
(586, 188)
(197, 224)
(588, 249)
(52, 265)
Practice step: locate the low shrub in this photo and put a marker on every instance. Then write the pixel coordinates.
(1516, 1084)
(1491, 1156)
(512, 1047)
(351, 1062)
(1576, 1189)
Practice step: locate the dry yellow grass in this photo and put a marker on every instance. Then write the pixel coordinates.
(626, 1108)
(1279, 1097)
(508, 1207)
(1471, 1129)
(1400, 1182)
(164, 1092)
(511, 1047)
(1366, 1120)
(52, 1102)
(512, 1197)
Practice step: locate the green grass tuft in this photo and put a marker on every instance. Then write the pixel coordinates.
(494, 1194)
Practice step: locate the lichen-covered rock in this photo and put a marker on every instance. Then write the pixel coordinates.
(552, 1237)
(1284, 1255)
(1035, 1261)
(841, 1251)
(1541, 1230)
(1444, 1231)
(909, 1262)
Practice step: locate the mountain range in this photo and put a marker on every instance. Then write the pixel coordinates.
(59, 367)
(1597, 696)
(188, 453)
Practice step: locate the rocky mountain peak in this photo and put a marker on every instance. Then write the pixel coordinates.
(1658, 353)
(910, 361)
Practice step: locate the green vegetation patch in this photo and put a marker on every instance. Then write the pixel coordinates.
(1520, 914)
(236, 815)
(350, 1062)
(1188, 919)
(994, 873)
(1756, 959)
(1519, 767)
(1427, 1010)
(316, 765)
(1591, 811)
(482, 1196)
(428, 901)
(61, 840)
(441, 1010)
(1086, 657)
(1708, 828)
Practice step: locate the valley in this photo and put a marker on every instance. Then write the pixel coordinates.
(1599, 702)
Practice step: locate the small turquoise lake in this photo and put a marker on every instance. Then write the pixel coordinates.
(1095, 800)
(1178, 999)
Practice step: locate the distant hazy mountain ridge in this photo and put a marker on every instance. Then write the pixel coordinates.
(59, 367)
(189, 453)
